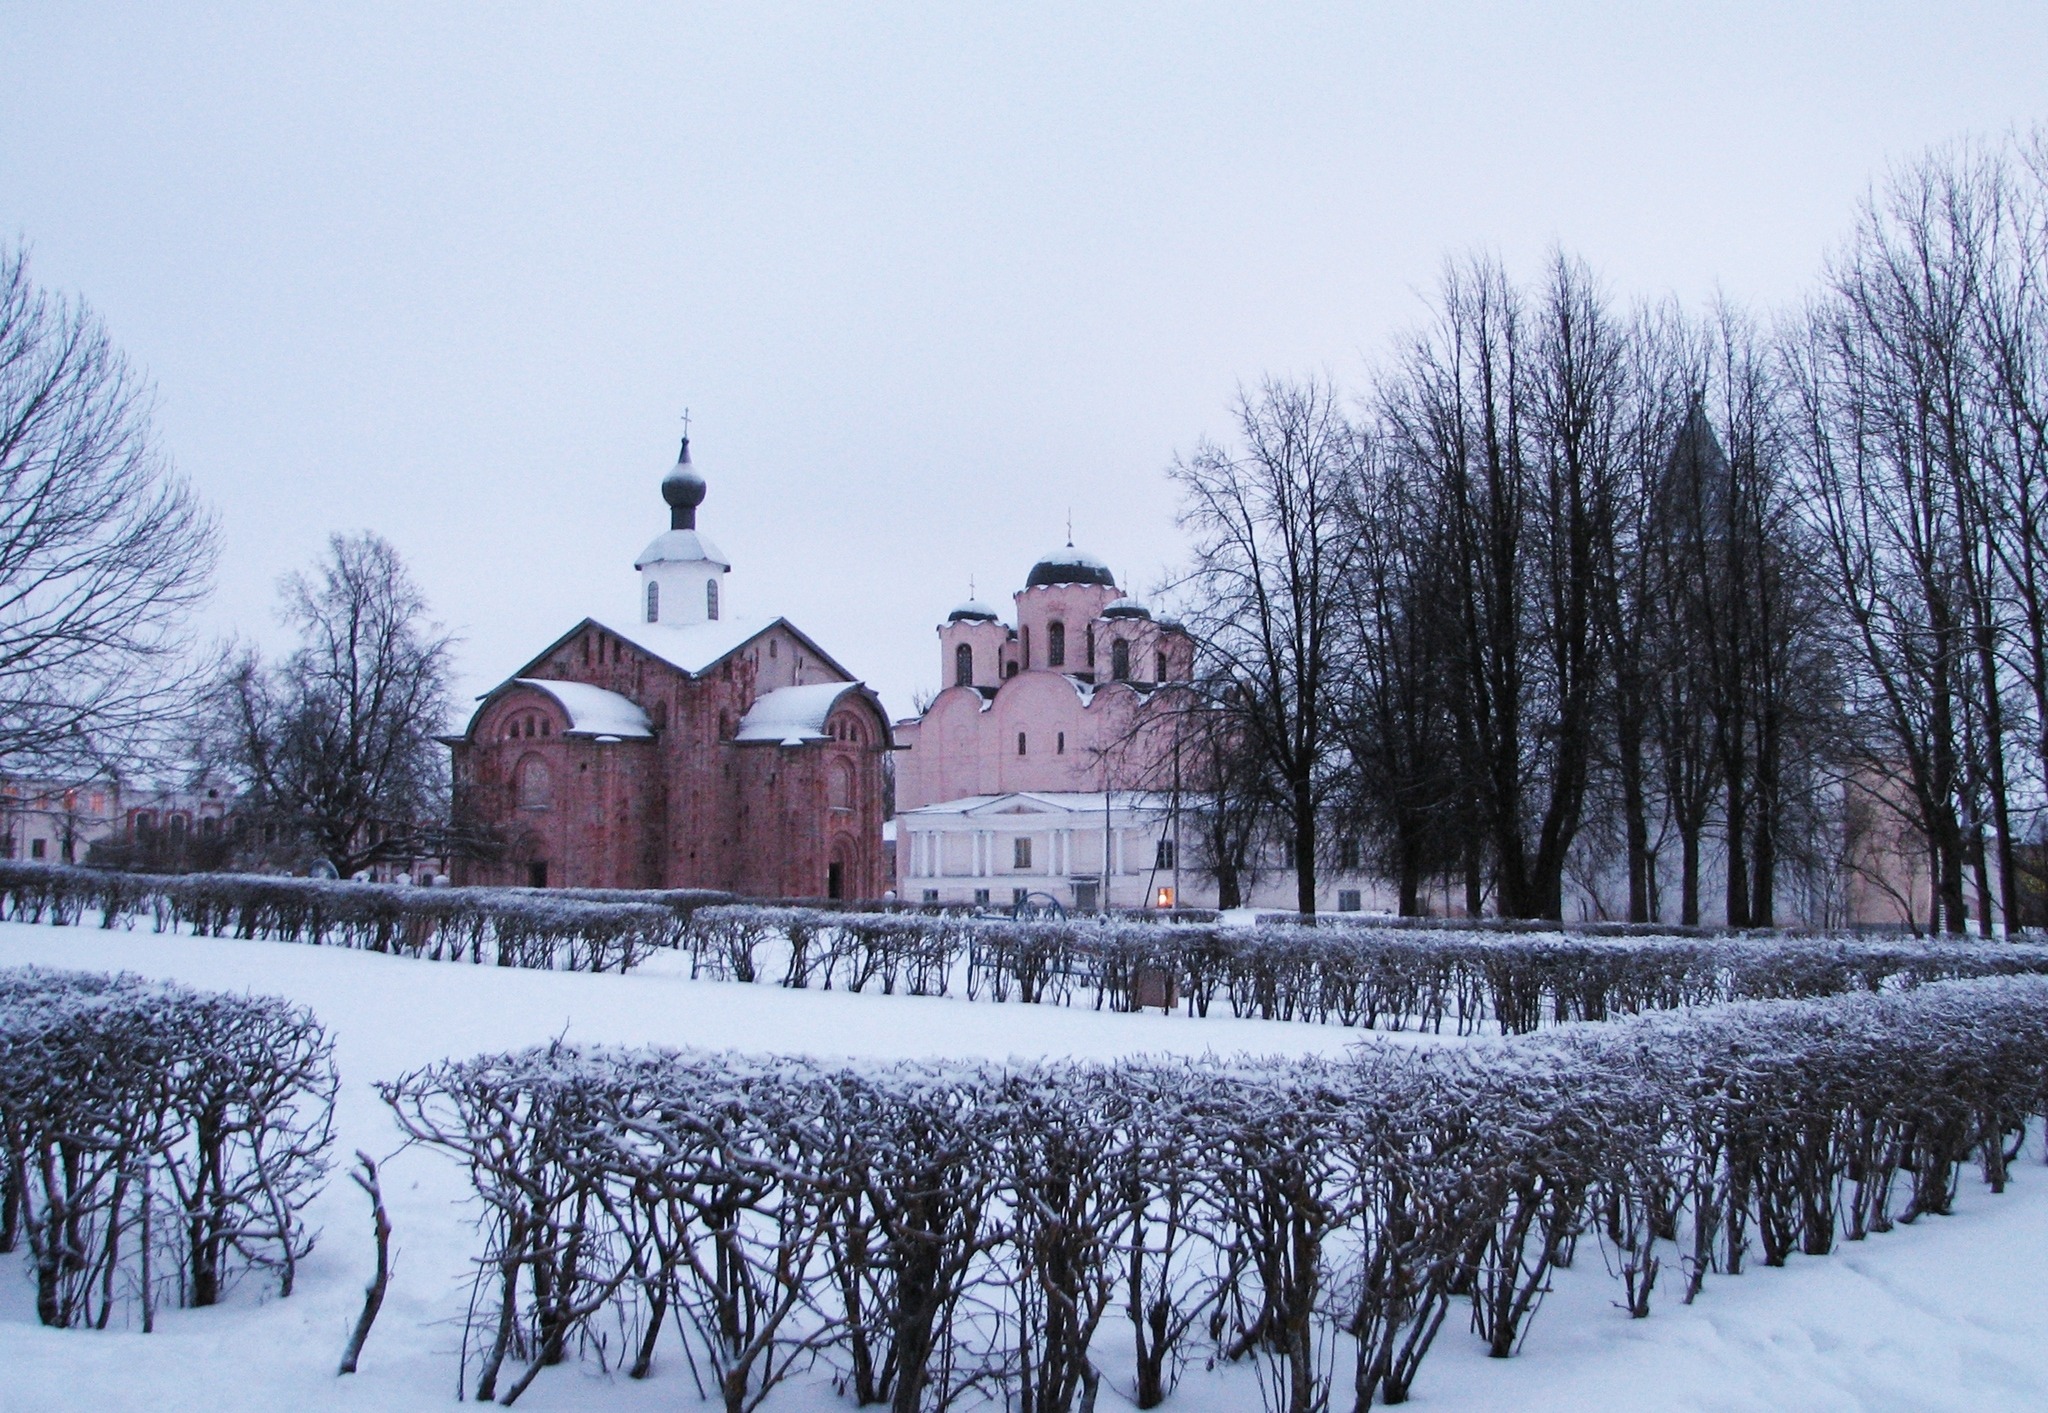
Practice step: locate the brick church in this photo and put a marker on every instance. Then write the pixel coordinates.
(693, 749)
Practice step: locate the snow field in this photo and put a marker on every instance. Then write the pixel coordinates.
(1946, 1314)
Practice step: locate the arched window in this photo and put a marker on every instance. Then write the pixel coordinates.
(1024, 637)
(1120, 660)
(963, 666)
(653, 602)
(1091, 647)
(711, 599)
(1162, 668)
(1059, 747)
(1020, 743)
(536, 790)
(839, 790)
(1055, 644)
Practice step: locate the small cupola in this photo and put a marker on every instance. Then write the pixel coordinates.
(681, 571)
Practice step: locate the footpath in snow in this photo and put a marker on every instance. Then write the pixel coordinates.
(1951, 1313)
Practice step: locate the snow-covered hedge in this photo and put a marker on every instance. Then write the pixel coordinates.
(929, 1229)
(1355, 975)
(574, 930)
(155, 1142)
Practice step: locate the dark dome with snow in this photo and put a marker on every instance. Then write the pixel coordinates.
(974, 610)
(684, 490)
(1069, 566)
(1127, 608)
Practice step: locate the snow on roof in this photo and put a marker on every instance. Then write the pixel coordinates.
(681, 547)
(973, 608)
(1067, 554)
(792, 715)
(1048, 801)
(593, 711)
(694, 647)
(1127, 607)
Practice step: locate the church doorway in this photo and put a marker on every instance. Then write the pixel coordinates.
(537, 874)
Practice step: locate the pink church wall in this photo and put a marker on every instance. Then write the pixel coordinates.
(1079, 728)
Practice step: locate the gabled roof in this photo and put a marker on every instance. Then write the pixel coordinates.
(1046, 802)
(692, 648)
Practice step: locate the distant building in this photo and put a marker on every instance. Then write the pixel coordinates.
(1045, 763)
(680, 747)
(98, 821)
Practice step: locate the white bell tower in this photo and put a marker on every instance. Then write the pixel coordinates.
(682, 574)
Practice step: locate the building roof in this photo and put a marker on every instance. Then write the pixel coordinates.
(593, 711)
(681, 547)
(1127, 607)
(973, 608)
(1069, 566)
(793, 715)
(696, 648)
(1044, 802)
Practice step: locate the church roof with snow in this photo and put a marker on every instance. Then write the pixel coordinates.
(593, 711)
(1069, 566)
(793, 715)
(681, 547)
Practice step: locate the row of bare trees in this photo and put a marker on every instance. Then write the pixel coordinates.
(1596, 603)
(928, 1234)
(106, 553)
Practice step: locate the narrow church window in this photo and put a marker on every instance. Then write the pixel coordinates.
(1056, 644)
(1060, 744)
(1020, 743)
(1027, 649)
(1091, 647)
(1120, 660)
(963, 666)
(1009, 669)
(547, 728)
(653, 603)
(711, 599)
(536, 791)
(1162, 668)
(771, 647)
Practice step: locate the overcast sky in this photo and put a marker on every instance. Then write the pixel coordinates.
(927, 278)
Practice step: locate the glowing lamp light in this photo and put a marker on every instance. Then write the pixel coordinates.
(1165, 899)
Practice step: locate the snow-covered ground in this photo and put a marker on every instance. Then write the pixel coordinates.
(1951, 1313)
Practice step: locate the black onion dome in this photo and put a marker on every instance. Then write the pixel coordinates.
(1069, 566)
(684, 490)
(973, 611)
(1127, 608)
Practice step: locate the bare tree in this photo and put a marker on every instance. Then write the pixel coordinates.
(104, 549)
(337, 742)
(1271, 557)
(1509, 417)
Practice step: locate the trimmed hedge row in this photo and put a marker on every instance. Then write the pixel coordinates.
(1358, 975)
(156, 1142)
(1364, 975)
(934, 1231)
(562, 929)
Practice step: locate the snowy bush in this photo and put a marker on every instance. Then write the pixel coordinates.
(1374, 977)
(929, 1230)
(562, 928)
(155, 1142)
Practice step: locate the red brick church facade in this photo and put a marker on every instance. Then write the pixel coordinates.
(688, 750)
